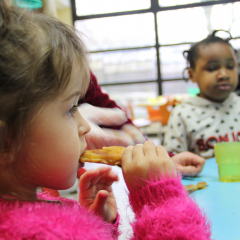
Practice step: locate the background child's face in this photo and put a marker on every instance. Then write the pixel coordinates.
(216, 71)
(57, 139)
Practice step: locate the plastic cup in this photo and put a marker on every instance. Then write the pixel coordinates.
(227, 156)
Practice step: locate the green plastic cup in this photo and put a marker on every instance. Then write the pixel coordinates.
(227, 156)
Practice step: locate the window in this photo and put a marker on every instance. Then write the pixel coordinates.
(109, 33)
(133, 91)
(167, 3)
(124, 66)
(194, 24)
(172, 61)
(136, 46)
(91, 7)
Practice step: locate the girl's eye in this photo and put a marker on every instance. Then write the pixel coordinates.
(72, 110)
(230, 65)
(212, 67)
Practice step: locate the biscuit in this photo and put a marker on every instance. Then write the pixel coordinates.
(107, 155)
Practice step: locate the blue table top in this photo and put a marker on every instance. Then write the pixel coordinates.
(220, 201)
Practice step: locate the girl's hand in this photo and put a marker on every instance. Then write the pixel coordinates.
(143, 162)
(96, 192)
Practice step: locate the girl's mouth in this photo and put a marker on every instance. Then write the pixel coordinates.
(80, 165)
(224, 86)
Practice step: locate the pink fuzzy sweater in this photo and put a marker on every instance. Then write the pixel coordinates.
(163, 211)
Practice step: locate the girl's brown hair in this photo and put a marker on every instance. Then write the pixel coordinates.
(36, 59)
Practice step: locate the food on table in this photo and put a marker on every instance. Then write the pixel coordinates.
(193, 187)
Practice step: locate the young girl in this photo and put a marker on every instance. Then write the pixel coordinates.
(212, 116)
(43, 74)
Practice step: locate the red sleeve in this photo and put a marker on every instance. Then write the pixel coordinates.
(97, 98)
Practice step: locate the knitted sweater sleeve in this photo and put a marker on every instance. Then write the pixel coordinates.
(165, 211)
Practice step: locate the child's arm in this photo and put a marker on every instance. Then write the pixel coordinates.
(176, 136)
(162, 207)
(96, 192)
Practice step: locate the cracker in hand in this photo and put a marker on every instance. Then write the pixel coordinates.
(107, 155)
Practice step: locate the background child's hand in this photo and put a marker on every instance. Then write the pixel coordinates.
(189, 164)
(143, 161)
(96, 192)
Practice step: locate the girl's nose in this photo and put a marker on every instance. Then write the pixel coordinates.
(223, 74)
(84, 127)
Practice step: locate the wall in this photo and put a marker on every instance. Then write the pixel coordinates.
(65, 15)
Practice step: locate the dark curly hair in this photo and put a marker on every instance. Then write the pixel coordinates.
(192, 54)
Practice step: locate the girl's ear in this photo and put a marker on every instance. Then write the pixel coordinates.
(191, 74)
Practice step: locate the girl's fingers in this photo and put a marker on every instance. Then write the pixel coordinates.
(105, 182)
(102, 174)
(90, 177)
(102, 178)
(85, 179)
(161, 152)
(188, 170)
(127, 156)
(149, 149)
(99, 202)
(137, 151)
(108, 178)
(105, 176)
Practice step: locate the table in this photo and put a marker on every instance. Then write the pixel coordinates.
(220, 201)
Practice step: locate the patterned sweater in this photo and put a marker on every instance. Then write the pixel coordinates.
(163, 210)
(197, 124)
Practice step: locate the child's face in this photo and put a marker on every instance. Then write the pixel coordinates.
(216, 71)
(58, 139)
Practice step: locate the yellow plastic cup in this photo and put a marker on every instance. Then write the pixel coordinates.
(227, 156)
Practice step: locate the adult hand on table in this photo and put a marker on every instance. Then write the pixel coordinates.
(99, 137)
(189, 164)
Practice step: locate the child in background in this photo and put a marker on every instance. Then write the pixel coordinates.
(43, 73)
(213, 115)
